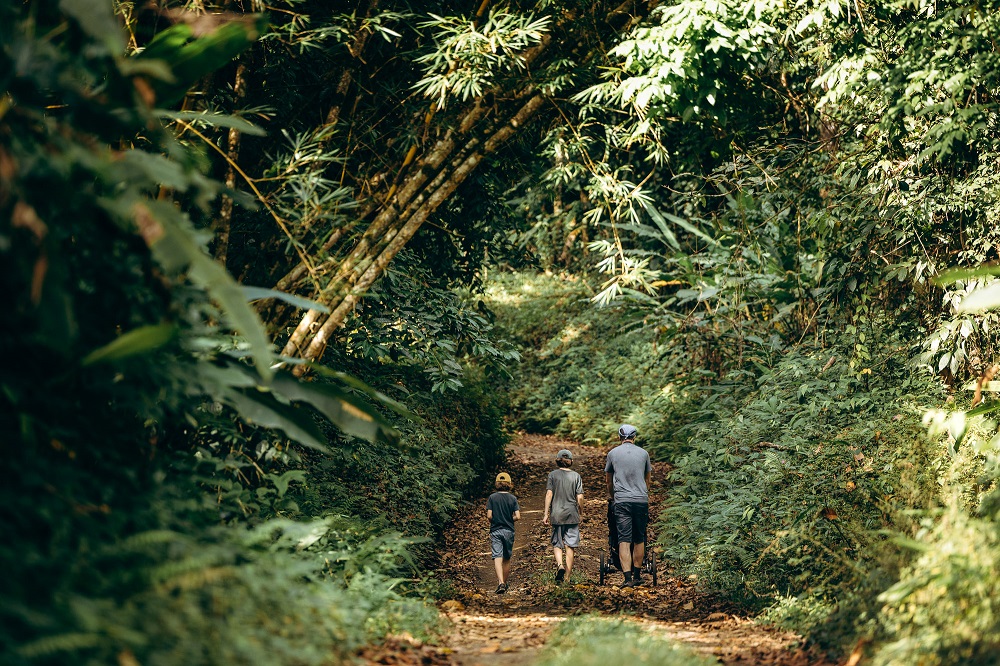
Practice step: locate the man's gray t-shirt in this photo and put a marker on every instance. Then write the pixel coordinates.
(565, 485)
(630, 464)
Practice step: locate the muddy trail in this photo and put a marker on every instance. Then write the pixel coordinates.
(486, 628)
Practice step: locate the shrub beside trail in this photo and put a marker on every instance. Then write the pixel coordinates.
(795, 475)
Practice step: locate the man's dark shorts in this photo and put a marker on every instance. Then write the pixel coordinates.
(631, 519)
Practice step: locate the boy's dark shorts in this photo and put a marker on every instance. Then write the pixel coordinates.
(631, 519)
(502, 543)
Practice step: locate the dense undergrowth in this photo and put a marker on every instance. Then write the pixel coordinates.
(803, 485)
(177, 495)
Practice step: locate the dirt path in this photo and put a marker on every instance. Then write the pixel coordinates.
(488, 629)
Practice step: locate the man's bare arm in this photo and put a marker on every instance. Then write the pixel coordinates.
(548, 505)
(517, 515)
(610, 484)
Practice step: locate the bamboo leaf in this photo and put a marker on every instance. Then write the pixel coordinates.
(212, 120)
(261, 293)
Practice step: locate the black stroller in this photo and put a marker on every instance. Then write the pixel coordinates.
(611, 561)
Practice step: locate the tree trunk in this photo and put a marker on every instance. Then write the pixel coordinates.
(223, 223)
(394, 229)
(403, 199)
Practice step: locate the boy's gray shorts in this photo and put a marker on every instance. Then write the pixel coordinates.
(502, 543)
(565, 536)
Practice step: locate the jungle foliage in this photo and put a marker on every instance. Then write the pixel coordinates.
(247, 330)
(774, 197)
(178, 495)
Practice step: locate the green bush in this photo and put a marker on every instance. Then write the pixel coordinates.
(448, 452)
(589, 369)
(945, 608)
(791, 488)
(298, 592)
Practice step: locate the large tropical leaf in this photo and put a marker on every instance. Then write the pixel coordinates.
(175, 247)
(263, 409)
(192, 51)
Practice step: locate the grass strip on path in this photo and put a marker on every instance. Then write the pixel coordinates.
(593, 640)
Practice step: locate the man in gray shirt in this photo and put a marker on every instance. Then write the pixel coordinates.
(628, 469)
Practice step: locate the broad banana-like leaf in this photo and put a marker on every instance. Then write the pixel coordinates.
(340, 406)
(191, 57)
(955, 274)
(261, 408)
(174, 247)
(97, 18)
(212, 120)
(356, 384)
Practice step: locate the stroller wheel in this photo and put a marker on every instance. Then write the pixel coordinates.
(603, 568)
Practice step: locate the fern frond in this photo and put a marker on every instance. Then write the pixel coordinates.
(50, 645)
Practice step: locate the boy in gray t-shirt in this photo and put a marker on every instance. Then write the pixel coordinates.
(564, 497)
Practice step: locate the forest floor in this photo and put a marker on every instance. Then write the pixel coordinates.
(484, 628)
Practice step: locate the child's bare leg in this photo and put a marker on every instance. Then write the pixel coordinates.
(569, 561)
(500, 564)
(506, 569)
(557, 551)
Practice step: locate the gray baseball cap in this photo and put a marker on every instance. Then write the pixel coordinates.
(627, 431)
(564, 455)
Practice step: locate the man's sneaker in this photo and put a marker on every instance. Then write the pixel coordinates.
(628, 582)
(560, 575)
(501, 588)
(637, 581)
(506, 587)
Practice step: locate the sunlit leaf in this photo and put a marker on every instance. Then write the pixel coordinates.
(138, 341)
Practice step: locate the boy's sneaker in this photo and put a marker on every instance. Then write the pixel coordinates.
(560, 575)
(501, 588)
